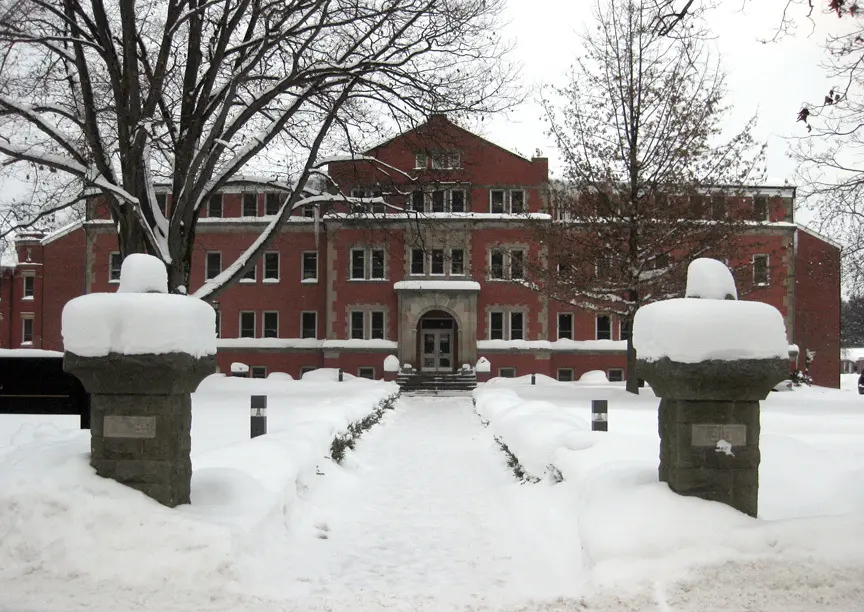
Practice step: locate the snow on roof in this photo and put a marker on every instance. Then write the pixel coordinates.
(436, 285)
(815, 234)
(564, 345)
(304, 343)
(63, 231)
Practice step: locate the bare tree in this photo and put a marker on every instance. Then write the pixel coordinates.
(199, 93)
(649, 178)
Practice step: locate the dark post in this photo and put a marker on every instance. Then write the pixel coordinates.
(533, 378)
(258, 415)
(340, 374)
(599, 415)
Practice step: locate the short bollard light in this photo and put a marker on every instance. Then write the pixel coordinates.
(599, 415)
(340, 374)
(533, 378)
(258, 415)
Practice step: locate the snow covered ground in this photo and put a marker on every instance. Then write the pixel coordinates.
(426, 515)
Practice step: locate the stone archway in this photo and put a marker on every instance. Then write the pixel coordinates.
(459, 304)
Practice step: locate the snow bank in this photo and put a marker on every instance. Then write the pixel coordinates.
(64, 528)
(326, 375)
(594, 377)
(17, 353)
(710, 279)
(391, 363)
(634, 529)
(141, 273)
(690, 330)
(97, 324)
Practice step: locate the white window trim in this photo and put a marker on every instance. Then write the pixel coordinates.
(254, 279)
(302, 314)
(508, 204)
(366, 368)
(264, 320)
(558, 374)
(243, 205)
(254, 323)
(411, 263)
(452, 273)
(443, 263)
(507, 329)
(207, 255)
(367, 323)
(351, 265)
(503, 201)
(32, 318)
(767, 269)
(24, 296)
(500, 370)
(558, 325)
(506, 263)
(221, 214)
(367, 265)
(597, 326)
(369, 258)
(271, 279)
(418, 157)
(449, 201)
(257, 367)
(615, 370)
(110, 268)
(308, 281)
(279, 199)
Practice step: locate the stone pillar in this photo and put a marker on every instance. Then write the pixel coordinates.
(141, 418)
(709, 425)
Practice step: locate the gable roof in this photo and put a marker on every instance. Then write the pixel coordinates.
(443, 118)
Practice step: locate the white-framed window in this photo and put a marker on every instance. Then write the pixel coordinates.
(366, 372)
(29, 287)
(259, 371)
(272, 203)
(439, 201)
(565, 374)
(603, 327)
(309, 273)
(506, 263)
(271, 266)
(251, 274)
(115, 264)
(212, 264)
(436, 262)
(309, 324)
(507, 372)
(418, 262)
(421, 161)
(457, 262)
(615, 374)
(309, 210)
(760, 270)
(445, 160)
(27, 329)
(565, 325)
(247, 324)
(367, 325)
(457, 200)
(250, 205)
(760, 208)
(506, 325)
(270, 324)
(214, 205)
(367, 264)
(418, 201)
(503, 201)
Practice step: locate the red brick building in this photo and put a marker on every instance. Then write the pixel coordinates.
(424, 271)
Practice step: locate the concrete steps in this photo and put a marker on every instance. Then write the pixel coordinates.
(459, 383)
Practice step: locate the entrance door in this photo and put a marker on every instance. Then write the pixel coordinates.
(437, 349)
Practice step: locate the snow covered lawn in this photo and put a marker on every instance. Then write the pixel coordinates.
(425, 515)
(657, 550)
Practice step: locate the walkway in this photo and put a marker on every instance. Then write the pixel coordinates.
(426, 515)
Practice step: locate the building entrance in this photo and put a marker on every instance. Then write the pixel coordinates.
(437, 339)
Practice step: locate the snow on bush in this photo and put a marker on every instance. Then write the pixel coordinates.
(326, 375)
(142, 273)
(239, 368)
(280, 377)
(391, 363)
(483, 366)
(594, 376)
(692, 330)
(710, 279)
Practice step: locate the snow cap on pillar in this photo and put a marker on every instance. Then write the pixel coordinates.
(142, 273)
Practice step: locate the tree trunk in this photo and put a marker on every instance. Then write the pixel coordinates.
(130, 238)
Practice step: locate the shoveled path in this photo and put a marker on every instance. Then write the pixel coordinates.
(426, 515)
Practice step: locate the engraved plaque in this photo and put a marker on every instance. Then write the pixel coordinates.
(129, 427)
(707, 434)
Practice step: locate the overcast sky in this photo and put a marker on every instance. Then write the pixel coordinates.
(771, 79)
